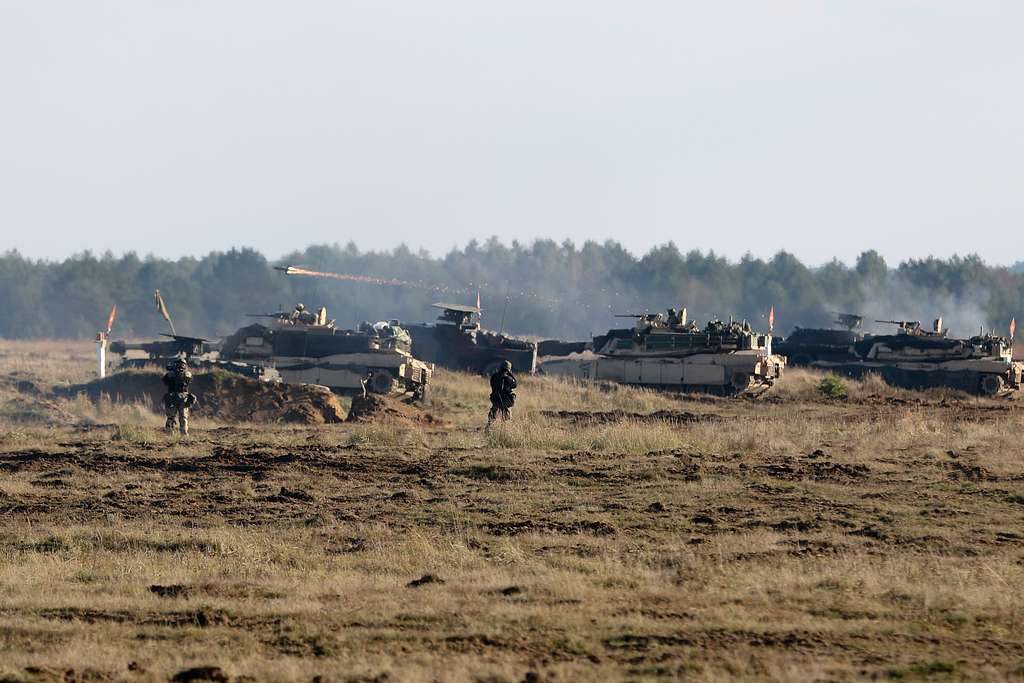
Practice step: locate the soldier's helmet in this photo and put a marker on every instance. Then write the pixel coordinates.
(507, 364)
(177, 364)
(299, 307)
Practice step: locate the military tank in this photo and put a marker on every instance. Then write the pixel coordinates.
(458, 342)
(916, 358)
(376, 357)
(807, 344)
(668, 352)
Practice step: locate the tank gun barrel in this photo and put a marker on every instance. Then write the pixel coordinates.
(177, 344)
(120, 347)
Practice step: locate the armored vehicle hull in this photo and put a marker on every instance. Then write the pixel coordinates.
(729, 374)
(984, 377)
(557, 347)
(915, 359)
(805, 345)
(669, 353)
(347, 362)
(482, 353)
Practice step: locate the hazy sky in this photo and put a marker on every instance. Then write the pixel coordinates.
(822, 128)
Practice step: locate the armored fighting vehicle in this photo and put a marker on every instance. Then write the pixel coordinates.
(915, 358)
(668, 352)
(200, 353)
(375, 358)
(807, 345)
(456, 341)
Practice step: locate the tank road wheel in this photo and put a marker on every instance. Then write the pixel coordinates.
(382, 382)
(739, 382)
(991, 385)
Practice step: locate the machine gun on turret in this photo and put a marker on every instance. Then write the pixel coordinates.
(640, 316)
(905, 326)
(280, 316)
(289, 318)
(913, 327)
(850, 321)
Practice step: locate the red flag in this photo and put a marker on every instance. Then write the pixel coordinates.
(478, 300)
(110, 318)
(1013, 328)
(771, 318)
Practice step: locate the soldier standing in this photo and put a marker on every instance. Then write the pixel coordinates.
(503, 395)
(177, 400)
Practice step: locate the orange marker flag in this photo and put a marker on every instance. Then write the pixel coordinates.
(771, 318)
(1013, 327)
(478, 299)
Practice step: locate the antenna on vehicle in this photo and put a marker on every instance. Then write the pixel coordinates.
(508, 288)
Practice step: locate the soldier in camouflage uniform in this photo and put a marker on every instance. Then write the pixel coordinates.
(503, 395)
(177, 400)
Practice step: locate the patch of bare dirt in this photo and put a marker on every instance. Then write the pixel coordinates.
(612, 416)
(224, 396)
(375, 408)
(516, 528)
(964, 471)
(824, 470)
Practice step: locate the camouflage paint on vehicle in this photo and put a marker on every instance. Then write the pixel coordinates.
(670, 353)
(915, 358)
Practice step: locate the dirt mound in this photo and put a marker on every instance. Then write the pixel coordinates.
(224, 396)
(21, 382)
(35, 410)
(374, 407)
(670, 416)
(825, 470)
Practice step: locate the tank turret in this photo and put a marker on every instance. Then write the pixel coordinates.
(458, 342)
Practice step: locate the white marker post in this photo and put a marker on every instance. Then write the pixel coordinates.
(101, 342)
(101, 354)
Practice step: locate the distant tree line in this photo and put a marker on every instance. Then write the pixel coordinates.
(553, 289)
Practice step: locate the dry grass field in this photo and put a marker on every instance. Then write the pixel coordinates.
(604, 535)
